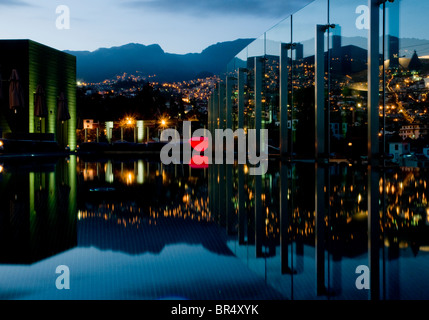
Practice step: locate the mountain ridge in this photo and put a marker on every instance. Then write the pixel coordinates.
(106, 63)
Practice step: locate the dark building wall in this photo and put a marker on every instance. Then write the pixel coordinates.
(56, 72)
(13, 55)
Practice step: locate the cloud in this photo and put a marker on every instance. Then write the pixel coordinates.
(14, 3)
(255, 8)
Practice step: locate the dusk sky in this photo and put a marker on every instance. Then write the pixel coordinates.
(179, 26)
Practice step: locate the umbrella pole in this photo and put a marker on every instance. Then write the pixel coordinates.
(66, 135)
(16, 120)
(62, 135)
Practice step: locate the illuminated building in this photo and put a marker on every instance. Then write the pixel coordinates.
(55, 71)
(414, 131)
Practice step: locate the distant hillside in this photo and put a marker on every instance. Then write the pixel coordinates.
(106, 63)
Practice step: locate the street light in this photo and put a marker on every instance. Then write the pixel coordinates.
(129, 122)
(163, 124)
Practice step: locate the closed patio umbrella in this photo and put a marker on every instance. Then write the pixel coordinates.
(62, 115)
(16, 93)
(63, 110)
(40, 109)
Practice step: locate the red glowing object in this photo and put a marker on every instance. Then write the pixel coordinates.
(199, 144)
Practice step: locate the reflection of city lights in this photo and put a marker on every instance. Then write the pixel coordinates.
(129, 178)
(399, 195)
(88, 174)
(185, 198)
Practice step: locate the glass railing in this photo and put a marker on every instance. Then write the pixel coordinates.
(310, 225)
(404, 70)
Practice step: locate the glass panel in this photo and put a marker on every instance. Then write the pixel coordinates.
(303, 36)
(255, 49)
(301, 224)
(241, 59)
(406, 74)
(406, 64)
(277, 35)
(347, 113)
(348, 89)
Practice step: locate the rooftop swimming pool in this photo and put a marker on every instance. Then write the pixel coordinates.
(134, 228)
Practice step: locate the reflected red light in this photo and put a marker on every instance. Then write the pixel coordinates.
(204, 162)
(199, 144)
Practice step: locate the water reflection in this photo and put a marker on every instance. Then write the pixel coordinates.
(301, 230)
(306, 228)
(166, 204)
(37, 210)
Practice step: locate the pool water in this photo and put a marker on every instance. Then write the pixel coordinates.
(136, 229)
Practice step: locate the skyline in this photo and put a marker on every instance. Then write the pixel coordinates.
(186, 27)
